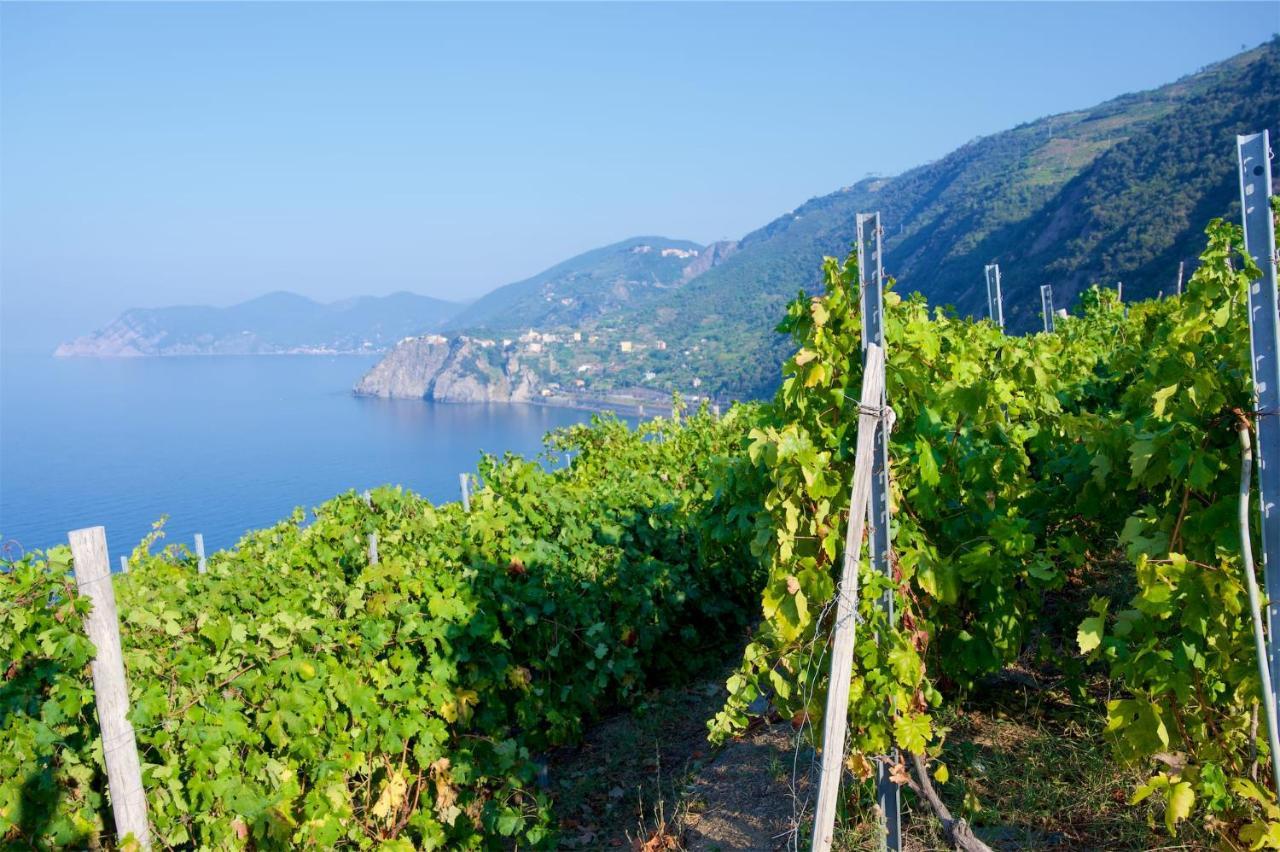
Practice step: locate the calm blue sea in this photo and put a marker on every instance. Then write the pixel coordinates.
(222, 445)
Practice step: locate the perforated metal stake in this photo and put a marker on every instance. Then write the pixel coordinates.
(995, 301)
(1046, 306)
(871, 290)
(1264, 343)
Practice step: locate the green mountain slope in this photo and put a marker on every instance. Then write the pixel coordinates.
(1115, 192)
(584, 287)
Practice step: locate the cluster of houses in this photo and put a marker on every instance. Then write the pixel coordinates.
(535, 342)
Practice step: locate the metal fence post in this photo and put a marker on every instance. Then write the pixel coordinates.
(995, 300)
(110, 689)
(871, 293)
(1264, 345)
(1046, 306)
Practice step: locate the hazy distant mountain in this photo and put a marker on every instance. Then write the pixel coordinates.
(276, 323)
(1120, 191)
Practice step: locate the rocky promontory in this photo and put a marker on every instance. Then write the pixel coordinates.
(460, 369)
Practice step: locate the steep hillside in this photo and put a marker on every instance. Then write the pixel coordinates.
(1116, 192)
(276, 323)
(589, 285)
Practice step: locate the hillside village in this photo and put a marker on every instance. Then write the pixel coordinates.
(604, 367)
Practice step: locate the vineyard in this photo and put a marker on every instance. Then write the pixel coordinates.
(1065, 501)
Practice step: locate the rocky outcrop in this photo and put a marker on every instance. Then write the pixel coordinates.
(713, 255)
(456, 370)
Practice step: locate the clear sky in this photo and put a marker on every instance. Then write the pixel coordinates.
(177, 153)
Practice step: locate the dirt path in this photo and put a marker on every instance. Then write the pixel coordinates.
(745, 799)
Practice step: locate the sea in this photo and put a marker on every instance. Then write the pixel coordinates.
(223, 445)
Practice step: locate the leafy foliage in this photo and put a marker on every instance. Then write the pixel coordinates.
(296, 694)
(1014, 463)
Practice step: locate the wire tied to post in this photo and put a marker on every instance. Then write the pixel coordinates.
(885, 413)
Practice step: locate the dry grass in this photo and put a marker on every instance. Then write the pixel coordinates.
(1032, 771)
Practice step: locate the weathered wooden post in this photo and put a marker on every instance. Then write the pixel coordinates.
(367, 498)
(1254, 153)
(995, 300)
(1046, 306)
(835, 721)
(715, 410)
(1181, 265)
(373, 548)
(466, 492)
(201, 565)
(110, 689)
(871, 295)
(124, 564)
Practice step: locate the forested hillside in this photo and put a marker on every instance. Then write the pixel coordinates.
(1110, 193)
(584, 287)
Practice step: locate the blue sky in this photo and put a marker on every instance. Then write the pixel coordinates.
(156, 154)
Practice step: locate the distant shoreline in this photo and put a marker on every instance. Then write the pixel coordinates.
(133, 356)
(624, 406)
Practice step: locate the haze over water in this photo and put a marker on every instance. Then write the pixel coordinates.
(222, 445)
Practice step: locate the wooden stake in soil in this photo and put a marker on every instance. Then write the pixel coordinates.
(836, 719)
(373, 548)
(110, 689)
(201, 565)
(466, 492)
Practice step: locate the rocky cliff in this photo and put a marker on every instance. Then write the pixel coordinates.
(458, 370)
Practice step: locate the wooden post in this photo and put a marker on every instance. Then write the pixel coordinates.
(1181, 265)
(201, 565)
(110, 689)
(373, 548)
(466, 493)
(836, 719)
(1120, 290)
(124, 564)
(367, 498)
(715, 410)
